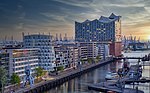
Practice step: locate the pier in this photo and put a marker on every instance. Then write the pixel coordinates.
(117, 84)
(144, 58)
(62, 77)
(112, 87)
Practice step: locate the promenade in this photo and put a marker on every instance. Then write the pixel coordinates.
(63, 76)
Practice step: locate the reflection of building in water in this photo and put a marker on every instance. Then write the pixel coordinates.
(112, 67)
(20, 58)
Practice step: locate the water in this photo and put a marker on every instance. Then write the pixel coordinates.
(79, 84)
(146, 71)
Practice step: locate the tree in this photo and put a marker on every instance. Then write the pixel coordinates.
(98, 58)
(90, 60)
(60, 68)
(15, 79)
(39, 72)
(3, 78)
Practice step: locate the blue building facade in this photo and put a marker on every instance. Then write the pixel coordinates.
(46, 50)
(103, 29)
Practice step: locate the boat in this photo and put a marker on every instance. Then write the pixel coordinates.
(122, 71)
(127, 51)
(135, 72)
(117, 84)
(110, 76)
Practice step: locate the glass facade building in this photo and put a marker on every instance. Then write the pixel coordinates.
(46, 52)
(103, 29)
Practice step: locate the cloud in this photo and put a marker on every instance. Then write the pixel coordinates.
(79, 3)
(58, 16)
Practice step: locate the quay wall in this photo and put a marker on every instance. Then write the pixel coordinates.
(45, 86)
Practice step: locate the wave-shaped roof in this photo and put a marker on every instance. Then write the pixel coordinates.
(103, 19)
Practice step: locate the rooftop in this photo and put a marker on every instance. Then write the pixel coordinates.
(104, 19)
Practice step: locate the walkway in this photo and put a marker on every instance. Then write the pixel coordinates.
(61, 75)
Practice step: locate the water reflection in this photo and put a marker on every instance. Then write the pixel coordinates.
(79, 84)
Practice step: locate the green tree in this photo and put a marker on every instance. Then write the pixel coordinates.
(15, 79)
(60, 68)
(39, 72)
(90, 60)
(3, 78)
(98, 58)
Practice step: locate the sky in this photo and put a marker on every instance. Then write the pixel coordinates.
(59, 16)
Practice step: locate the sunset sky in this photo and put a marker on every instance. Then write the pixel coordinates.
(59, 16)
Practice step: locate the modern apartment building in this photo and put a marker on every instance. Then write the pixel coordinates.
(61, 56)
(46, 50)
(93, 49)
(4, 60)
(66, 55)
(18, 59)
(73, 54)
(90, 47)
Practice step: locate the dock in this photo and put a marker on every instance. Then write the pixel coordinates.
(110, 86)
(118, 84)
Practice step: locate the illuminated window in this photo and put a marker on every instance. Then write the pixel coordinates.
(98, 29)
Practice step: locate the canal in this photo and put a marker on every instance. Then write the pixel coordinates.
(79, 84)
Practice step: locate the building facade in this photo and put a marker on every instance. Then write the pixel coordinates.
(61, 56)
(4, 60)
(18, 59)
(46, 50)
(66, 55)
(104, 29)
(93, 49)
